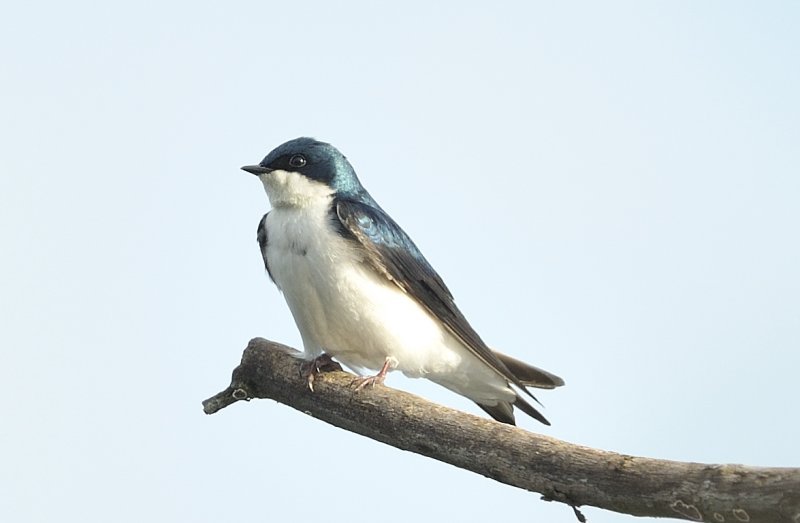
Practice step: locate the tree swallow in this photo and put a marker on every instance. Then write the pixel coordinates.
(362, 292)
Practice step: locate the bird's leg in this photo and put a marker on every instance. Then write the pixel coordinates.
(377, 379)
(310, 368)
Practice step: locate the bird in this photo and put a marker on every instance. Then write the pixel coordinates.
(360, 290)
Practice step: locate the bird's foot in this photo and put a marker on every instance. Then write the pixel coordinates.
(378, 379)
(367, 381)
(322, 363)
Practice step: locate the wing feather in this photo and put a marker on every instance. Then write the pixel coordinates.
(392, 253)
(261, 235)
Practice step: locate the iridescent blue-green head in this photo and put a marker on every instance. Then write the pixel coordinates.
(305, 169)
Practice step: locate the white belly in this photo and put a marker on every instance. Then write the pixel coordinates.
(343, 307)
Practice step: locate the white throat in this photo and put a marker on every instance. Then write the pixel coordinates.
(291, 189)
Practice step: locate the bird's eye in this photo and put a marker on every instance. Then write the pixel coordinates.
(298, 160)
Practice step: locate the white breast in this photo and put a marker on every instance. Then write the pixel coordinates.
(340, 304)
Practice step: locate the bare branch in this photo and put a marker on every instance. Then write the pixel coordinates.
(560, 471)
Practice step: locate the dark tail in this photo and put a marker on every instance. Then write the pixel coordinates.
(504, 411)
(529, 376)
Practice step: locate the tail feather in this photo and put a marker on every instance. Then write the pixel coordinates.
(504, 411)
(528, 409)
(529, 376)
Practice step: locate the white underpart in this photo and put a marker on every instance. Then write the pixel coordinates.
(345, 308)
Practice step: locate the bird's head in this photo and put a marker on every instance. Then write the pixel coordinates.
(304, 171)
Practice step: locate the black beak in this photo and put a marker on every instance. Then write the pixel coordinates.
(256, 169)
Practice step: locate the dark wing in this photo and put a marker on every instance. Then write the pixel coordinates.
(529, 375)
(261, 234)
(393, 254)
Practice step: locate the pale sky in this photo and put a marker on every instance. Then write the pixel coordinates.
(611, 191)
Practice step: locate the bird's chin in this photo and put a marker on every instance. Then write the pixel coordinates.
(276, 184)
(291, 189)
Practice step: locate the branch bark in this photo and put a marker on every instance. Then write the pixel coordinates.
(558, 470)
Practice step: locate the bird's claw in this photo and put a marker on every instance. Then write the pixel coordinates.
(371, 381)
(322, 363)
(367, 381)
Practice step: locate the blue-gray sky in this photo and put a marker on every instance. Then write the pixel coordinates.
(611, 190)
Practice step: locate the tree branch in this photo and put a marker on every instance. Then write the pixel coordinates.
(560, 471)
